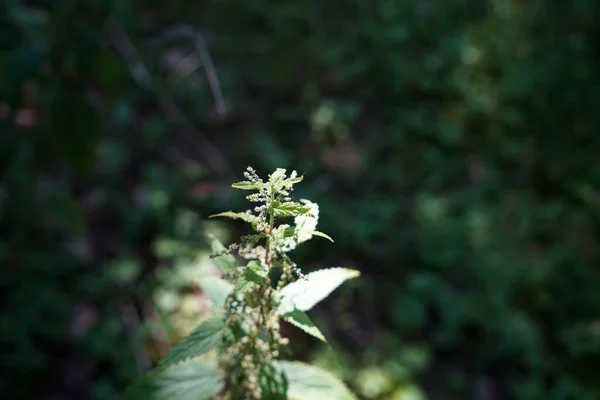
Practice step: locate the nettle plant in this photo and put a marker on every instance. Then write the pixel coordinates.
(234, 355)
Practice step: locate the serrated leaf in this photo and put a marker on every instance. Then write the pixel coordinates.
(321, 234)
(291, 181)
(286, 182)
(273, 383)
(216, 289)
(303, 294)
(307, 223)
(277, 175)
(203, 339)
(192, 379)
(307, 382)
(255, 272)
(289, 209)
(251, 219)
(243, 285)
(226, 262)
(245, 185)
(301, 320)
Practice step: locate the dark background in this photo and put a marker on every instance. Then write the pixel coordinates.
(453, 147)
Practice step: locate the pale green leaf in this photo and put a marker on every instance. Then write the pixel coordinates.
(216, 289)
(301, 320)
(307, 223)
(256, 272)
(307, 382)
(226, 261)
(321, 234)
(303, 294)
(284, 237)
(203, 339)
(291, 181)
(289, 209)
(277, 175)
(252, 219)
(245, 185)
(243, 285)
(191, 379)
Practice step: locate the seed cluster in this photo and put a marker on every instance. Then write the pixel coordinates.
(244, 358)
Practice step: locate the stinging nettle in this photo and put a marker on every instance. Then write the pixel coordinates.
(234, 355)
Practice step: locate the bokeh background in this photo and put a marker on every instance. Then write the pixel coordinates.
(453, 147)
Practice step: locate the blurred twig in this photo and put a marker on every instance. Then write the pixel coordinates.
(140, 73)
(209, 68)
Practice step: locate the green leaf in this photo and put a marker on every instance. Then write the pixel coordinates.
(277, 175)
(192, 379)
(321, 234)
(290, 181)
(273, 382)
(245, 185)
(256, 272)
(216, 290)
(203, 339)
(252, 219)
(301, 320)
(243, 285)
(226, 261)
(307, 382)
(307, 223)
(289, 209)
(303, 294)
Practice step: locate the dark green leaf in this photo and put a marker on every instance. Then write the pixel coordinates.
(204, 338)
(192, 379)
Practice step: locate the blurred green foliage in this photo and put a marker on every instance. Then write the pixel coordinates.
(452, 147)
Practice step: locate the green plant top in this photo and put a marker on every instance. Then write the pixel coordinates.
(257, 289)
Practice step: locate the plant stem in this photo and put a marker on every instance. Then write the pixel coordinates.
(270, 234)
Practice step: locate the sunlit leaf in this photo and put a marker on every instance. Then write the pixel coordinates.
(290, 181)
(289, 209)
(301, 320)
(303, 294)
(248, 185)
(321, 234)
(307, 223)
(307, 382)
(277, 175)
(252, 219)
(256, 272)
